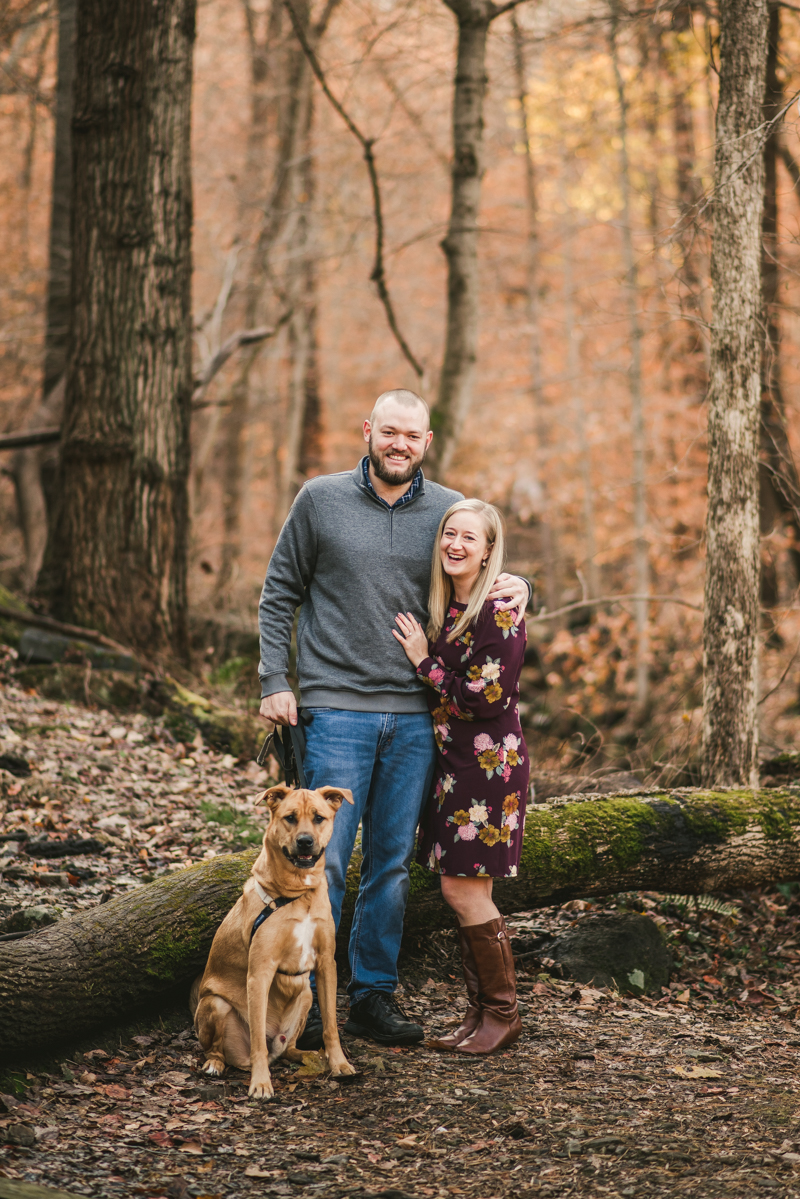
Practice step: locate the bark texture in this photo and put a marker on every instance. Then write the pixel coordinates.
(116, 557)
(96, 966)
(731, 613)
(460, 246)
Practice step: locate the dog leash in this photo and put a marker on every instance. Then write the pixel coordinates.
(272, 906)
(288, 744)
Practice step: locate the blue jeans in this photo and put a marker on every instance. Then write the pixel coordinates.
(386, 759)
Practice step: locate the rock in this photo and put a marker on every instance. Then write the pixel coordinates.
(14, 764)
(38, 646)
(30, 919)
(625, 951)
(20, 1134)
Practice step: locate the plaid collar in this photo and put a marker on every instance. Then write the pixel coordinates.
(406, 498)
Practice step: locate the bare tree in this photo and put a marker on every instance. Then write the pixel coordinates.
(116, 555)
(731, 612)
(281, 96)
(780, 486)
(638, 436)
(541, 423)
(460, 246)
(692, 347)
(578, 410)
(35, 467)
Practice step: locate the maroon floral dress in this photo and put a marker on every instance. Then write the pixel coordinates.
(474, 819)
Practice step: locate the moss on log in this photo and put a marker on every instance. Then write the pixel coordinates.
(95, 967)
(184, 711)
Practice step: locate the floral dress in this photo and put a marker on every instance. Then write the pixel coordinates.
(474, 819)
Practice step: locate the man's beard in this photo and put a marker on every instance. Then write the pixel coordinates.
(396, 477)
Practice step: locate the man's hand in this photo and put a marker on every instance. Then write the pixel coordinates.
(514, 593)
(280, 708)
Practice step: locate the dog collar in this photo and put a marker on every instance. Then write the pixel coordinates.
(271, 906)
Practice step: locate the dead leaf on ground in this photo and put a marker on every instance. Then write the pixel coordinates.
(696, 1072)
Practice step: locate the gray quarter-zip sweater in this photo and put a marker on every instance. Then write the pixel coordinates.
(352, 564)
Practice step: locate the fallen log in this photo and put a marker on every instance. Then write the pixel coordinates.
(99, 966)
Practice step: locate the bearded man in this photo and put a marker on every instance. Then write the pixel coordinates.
(355, 550)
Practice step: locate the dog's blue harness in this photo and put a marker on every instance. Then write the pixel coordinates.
(272, 906)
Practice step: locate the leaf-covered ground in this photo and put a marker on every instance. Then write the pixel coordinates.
(694, 1092)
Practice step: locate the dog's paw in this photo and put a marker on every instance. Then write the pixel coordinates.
(214, 1066)
(261, 1090)
(342, 1067)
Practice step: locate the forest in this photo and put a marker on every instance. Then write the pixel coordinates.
(229, 226)
(549, 291)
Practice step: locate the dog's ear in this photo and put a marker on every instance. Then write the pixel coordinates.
(273, 796)
(335, 796)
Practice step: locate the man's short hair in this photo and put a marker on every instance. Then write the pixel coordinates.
(401, 396)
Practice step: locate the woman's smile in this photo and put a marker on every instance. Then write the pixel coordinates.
(463, 548)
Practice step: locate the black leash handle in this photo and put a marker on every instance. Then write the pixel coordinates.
(288, 744)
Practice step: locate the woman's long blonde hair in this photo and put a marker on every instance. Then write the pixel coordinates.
(441, 586)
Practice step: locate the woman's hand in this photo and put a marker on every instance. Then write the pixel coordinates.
(514, 593)
(411, 637)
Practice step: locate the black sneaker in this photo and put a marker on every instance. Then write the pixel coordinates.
(311, 1036)
(378, 1017)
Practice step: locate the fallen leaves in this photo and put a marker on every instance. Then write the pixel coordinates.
(696, 1072)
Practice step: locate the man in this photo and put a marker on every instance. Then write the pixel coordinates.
(355, 550)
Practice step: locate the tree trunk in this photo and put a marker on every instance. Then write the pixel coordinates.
(692, 347)
(302, 431)
(58, 281)
(99, 964)
(116, 557)
(460, 246)
(541, 424)
(286, 207)
(731, 610)
(641, 549)
(578, 408)
(28, 465)
(780, 486)
(31, 468)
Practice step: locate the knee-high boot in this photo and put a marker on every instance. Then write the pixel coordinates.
(473, 1012)
(499, 1023)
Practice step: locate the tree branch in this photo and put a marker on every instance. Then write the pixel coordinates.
(613, 599)
(245, 337)
(67, 630)
(22, 441)
(378, 276)
(790, 162)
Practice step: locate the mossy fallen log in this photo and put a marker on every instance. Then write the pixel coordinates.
(185, 713)
(98, 966)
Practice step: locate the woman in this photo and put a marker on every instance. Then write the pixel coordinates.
(471, 831)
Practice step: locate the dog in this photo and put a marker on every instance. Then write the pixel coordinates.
(251, 1002)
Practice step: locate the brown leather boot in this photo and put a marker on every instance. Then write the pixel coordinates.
(473, 1012)
(499, 1024)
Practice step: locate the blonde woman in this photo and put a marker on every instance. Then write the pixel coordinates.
(471, 830)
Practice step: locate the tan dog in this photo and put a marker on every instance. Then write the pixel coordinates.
(251, 1003)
